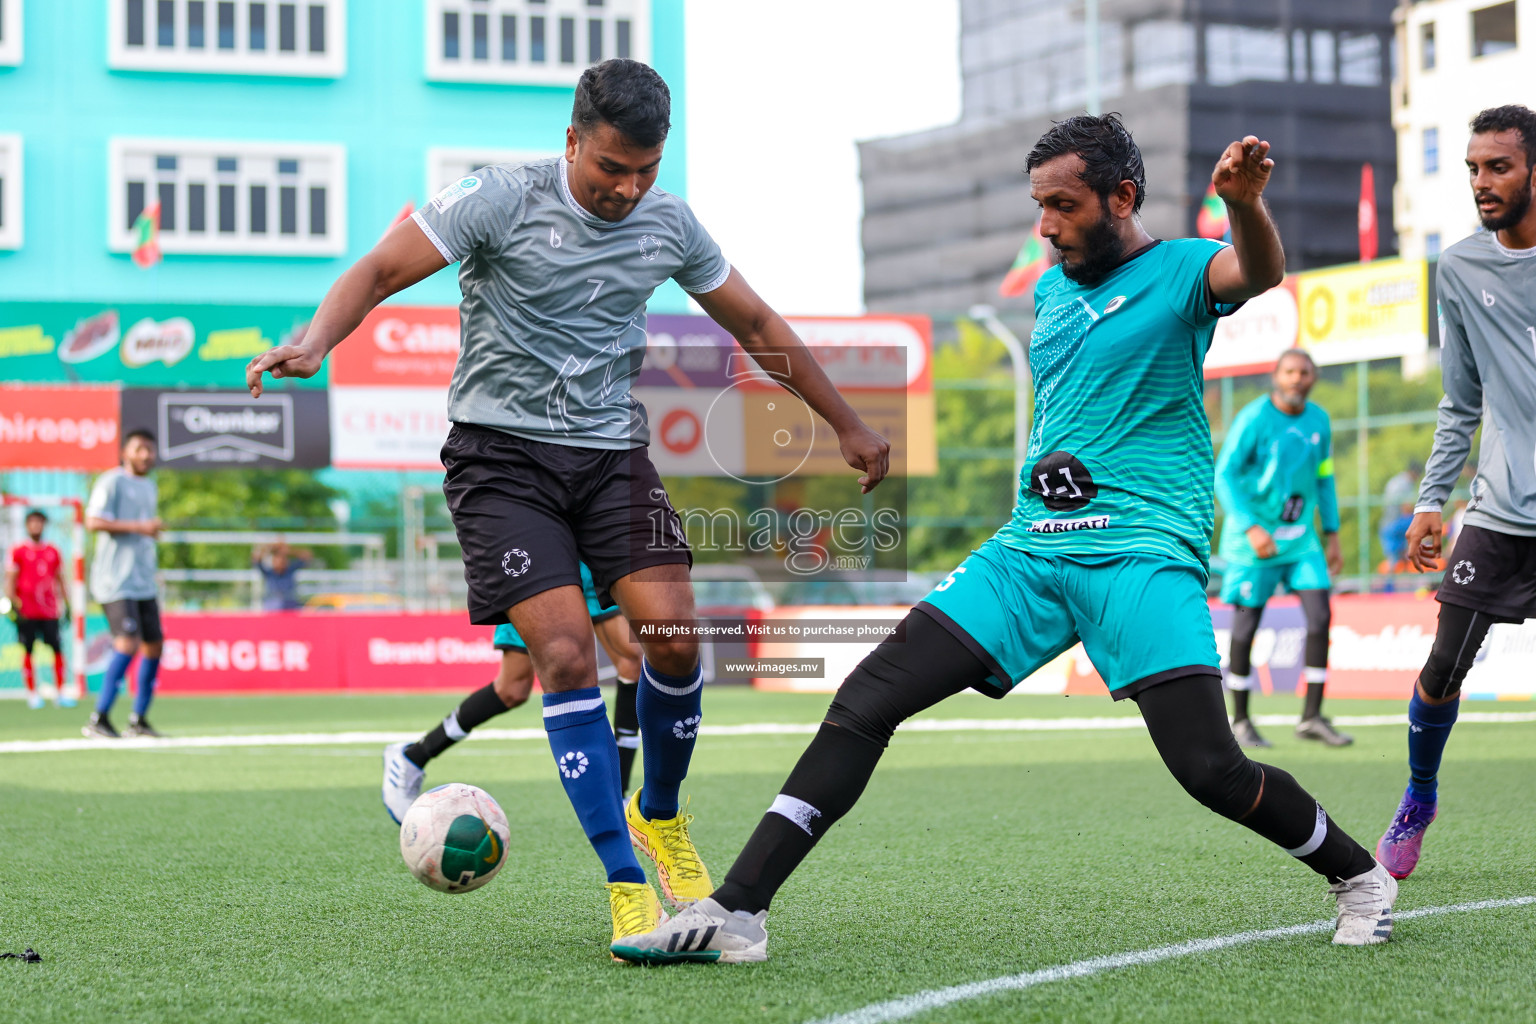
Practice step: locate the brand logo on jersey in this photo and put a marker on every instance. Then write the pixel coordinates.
(554, 238)
(687, 729)
(1488, 298)
(650, 247)
(573, 764)
(1069, 525)
(1114, 304)
(453, 193)
(1464, 573)
(515, 562)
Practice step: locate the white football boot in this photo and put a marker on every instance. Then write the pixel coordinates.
(1365, 908)
(402, 781)
(701, 932)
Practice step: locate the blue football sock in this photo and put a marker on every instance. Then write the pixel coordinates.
(149, 668)
(117, 668)
(669, 708)
(588, 759)
(1429, 726)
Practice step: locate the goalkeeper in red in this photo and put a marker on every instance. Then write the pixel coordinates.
(34, 584)
(1109, 545)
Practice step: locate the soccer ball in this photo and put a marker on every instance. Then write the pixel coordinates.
(454, 838)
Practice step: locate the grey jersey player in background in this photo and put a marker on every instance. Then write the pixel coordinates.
(546, 463)
(1487, 289)
(122, 510)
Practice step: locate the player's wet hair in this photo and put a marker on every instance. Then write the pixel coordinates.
(1510, 117)
(140, 432)
(628, 95)
(1109, 154)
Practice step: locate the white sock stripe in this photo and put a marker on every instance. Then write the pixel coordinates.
(1318, 832)
(571, 707)
(1236, 682)
(1317, 675)
(452, 727)
(673, 691)
(631, 742)
(796, 810)
(633, 682)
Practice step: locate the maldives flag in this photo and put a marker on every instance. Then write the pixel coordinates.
(1368, 233)
(1211, 221)
(146, 236)
(1027, 267)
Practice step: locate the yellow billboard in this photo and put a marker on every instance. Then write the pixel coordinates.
(1363, 310)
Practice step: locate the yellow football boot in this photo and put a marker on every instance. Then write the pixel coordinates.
(678, 866)
(636, 910)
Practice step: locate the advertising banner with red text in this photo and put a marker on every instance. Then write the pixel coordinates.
(58, 427)
(1377, 645)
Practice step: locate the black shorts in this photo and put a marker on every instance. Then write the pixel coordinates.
(30, 631)
(527, 512)
(136, 618)
(1492, 572)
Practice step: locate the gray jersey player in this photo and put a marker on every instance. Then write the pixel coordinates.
(546, 464)
(1487, 287)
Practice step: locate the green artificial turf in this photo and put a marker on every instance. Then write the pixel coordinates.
(265, 883)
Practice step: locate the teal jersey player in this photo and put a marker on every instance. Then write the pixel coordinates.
(1120, 451)
(1274, 477)
(1276, 472)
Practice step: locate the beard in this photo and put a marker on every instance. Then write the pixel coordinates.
(1102, 251)
(1514, 212)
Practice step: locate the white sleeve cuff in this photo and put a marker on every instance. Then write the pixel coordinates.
(719, 280)
(437, 242)
(1435, 507)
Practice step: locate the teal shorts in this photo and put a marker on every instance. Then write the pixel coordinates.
(1143, 619)
(1251, 585)
(508, 639)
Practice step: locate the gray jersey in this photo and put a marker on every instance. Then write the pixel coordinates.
(124, 564)
(1488, 359)
(553, 317)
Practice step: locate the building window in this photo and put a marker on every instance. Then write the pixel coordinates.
(1493, 29)
(1359, 59)
(1162, 53)
(231, 198)
(1325, 67)
(245, 37)
(446, 165)
(1427, 46)
(1431, 151)
(10, 191)
(10, 32)
(1432, 245)
(535, 42)
(1238, 53)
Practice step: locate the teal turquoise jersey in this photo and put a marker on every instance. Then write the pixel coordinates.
(1120, 452)
(1276, 471)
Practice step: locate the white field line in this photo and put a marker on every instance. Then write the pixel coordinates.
(330, 739)
(936, 998)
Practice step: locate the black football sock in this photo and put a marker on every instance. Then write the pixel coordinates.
(478, 708)
(626, 727)
(1239, 705)
(824, 786)
(1312, 707)
(1187, 723)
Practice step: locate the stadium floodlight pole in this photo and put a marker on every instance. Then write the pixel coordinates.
(1091, 58)
(988, 318)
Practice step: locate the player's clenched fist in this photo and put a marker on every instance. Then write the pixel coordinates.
(1243, 171)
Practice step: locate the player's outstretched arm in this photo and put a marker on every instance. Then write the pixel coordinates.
(1256, 261)
(742, 312)
(403, 256)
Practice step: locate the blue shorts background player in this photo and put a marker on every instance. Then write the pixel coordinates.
(1275, 472)
(405, 763)
(1109, 544)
